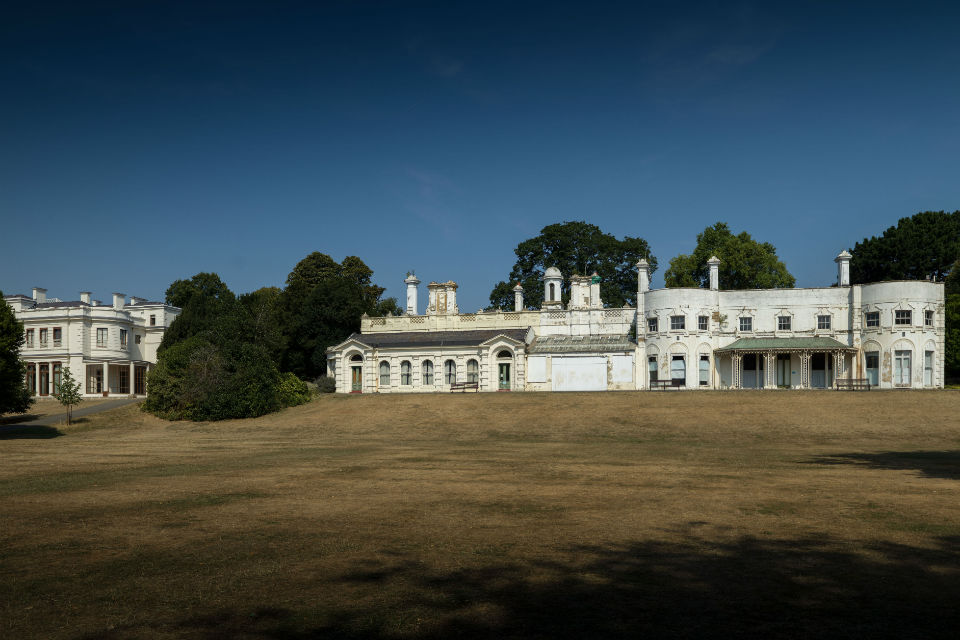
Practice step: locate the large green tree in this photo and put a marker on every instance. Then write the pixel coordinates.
(220, 360)
(14, 397)
(744, 262)
(575, 248)
(925, 245)
(322, 305)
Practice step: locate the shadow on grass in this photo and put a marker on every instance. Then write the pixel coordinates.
(28, 432)
(933, 464)
(747, 588)
(18, 419)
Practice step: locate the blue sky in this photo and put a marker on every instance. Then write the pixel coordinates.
(142, 142)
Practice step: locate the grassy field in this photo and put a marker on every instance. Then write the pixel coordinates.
(619, 515)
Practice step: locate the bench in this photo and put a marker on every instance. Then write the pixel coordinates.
(853, 384)
(663, 385)
(464, 386)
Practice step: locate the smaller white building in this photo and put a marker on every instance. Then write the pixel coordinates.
(108, 347)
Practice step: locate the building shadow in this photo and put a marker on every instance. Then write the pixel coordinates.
(697, 588)
(28, 432)
(933, 464)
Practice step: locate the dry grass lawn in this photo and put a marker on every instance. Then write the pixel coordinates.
(619, 515)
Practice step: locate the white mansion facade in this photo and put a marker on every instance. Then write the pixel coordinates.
(889, 333)
(109, 348)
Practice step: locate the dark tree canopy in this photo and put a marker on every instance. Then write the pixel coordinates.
(218, 359)
(922, 246)
(322, 305)
(14, 397)
(575, 248)
(744, 262)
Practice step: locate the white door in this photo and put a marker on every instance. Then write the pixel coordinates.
(579, 373)
(901, 368)
(928, 368)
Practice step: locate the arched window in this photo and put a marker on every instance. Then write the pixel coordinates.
(504, 354)
(427, 373)
(356, 358)
(405, 377)
(553, 292)
(449, 372)
(384, 374)
(473, 371)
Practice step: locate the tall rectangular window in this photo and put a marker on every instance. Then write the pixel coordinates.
(123, 384)
(703, 323)
(823, 322)
(139, 380)
(43, 337)
(57, 336)
(903, 316)
(873, 367)
(678, 370)
(928, 368)
(873, 318)
(746, 323)
(652, 325)
(652, 365)
(123, 338)
(928, 318)
(136, 338)
(57, 376)
(678, 323)
(101, 337)
(29, 342)
(153, 320)
(783, 323)
(704, 371)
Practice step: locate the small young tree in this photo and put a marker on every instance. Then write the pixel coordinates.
(69, 393)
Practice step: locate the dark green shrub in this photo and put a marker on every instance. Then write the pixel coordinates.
(326, 384)
(292, 390)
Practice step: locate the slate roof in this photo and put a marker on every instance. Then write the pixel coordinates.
(783, 344)
(435, 338)
(582, 344)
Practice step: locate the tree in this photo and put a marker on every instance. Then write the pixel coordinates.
(923, 246)
(575, 248)
(322, 305)
(68, 392)
(221, 360)
(204, 300)
(14, 397)
(744, 262)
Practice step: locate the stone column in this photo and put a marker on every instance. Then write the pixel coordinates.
(131, 384)
(36, 377)
(837, 366)
(805, 370)
(771, 374)
(106, 378)
(736, 370)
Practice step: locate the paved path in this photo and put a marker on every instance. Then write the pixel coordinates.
(78, 412)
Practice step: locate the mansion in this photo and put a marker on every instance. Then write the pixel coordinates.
(109, 348)
(890, 334)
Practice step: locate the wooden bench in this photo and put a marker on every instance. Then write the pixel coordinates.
(465, 386)
(853, 384)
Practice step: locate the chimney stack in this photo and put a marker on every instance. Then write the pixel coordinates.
(843, 268)
(137, 300)
(643, 276)
(412, 283)
(518, 298)
(714, 263)
(85, 296)
(118, 301)
(39, 295)
(595, 301)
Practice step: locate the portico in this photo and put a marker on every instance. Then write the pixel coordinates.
(804, 363)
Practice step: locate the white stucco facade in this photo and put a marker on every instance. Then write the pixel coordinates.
(888, 333)
(109, 348)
